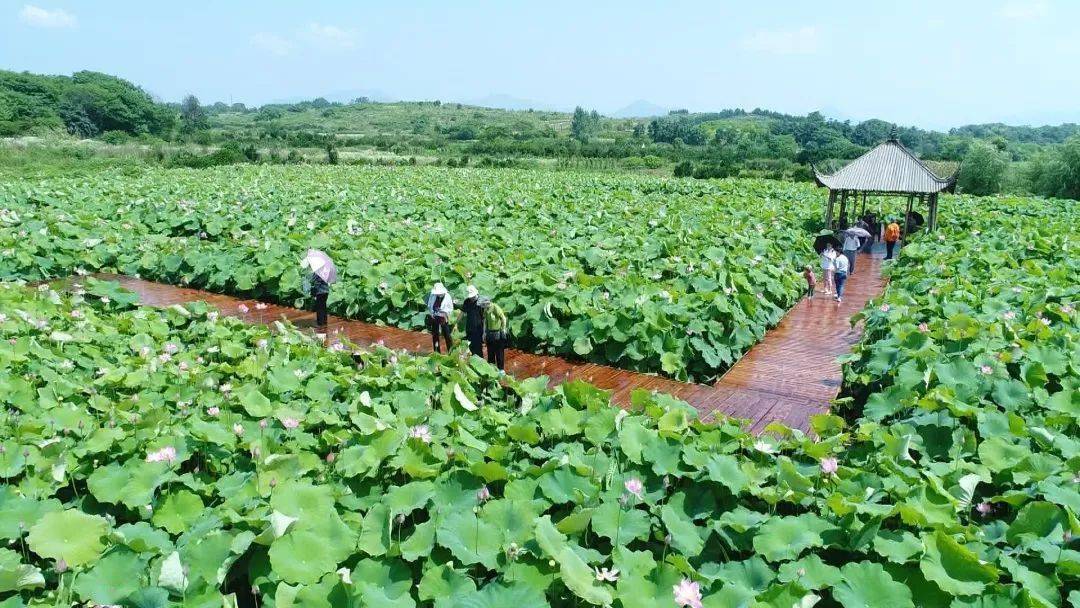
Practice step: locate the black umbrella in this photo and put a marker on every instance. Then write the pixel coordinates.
(917, 218)
(826, 239)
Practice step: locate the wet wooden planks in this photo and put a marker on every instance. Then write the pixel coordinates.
(787, 377)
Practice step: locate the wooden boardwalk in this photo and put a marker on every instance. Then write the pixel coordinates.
(786, 378)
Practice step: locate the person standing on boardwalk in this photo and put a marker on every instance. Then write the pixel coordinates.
(811, 280)
(495, 321)
(851, 249)
(892, 235)
(828, 257)
(474, 321)
(439, 308)
(840, 275)
(323, 273)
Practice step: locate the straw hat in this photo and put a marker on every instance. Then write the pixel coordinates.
(439, 289)
(471, 291)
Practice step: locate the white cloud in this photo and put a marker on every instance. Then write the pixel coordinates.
(271, 43)
(329, 37)
(802, 41)
(41, 17)
(1024, 9)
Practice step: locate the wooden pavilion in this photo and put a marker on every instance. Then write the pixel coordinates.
(888, 169)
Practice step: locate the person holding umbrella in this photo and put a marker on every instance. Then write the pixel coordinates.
(439, 308)
(852, 244)
(322, 275)
(474, 321)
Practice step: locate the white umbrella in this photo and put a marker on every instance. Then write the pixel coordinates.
(321, 265)
(856, 232)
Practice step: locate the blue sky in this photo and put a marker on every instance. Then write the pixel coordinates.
(934, 64)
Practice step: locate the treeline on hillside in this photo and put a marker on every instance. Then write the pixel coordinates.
(86, 104)
(994, 157)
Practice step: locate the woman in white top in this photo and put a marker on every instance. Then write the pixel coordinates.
(827, 258)
(439, 308)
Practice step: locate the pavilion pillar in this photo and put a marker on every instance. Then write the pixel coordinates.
(932, 220)
(843, 208)
(829, 210)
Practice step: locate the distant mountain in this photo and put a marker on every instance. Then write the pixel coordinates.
(640, 109)
(509, 102)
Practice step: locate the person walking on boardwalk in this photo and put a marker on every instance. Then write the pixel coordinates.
(828, 258)
(496, 335)
(474, 321)
(892, 235)
(811, 280)
(323, 273)
(840, 275)
(851, 246)
(439, 308)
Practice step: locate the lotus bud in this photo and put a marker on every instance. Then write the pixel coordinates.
(61, 566)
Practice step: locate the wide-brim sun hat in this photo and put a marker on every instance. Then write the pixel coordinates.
(439, 289)
(471, 291)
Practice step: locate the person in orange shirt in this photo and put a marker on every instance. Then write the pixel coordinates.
(892, 235)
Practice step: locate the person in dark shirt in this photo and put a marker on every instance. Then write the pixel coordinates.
(320, 290)
(474, 321)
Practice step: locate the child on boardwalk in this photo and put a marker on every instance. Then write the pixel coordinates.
(811, 280)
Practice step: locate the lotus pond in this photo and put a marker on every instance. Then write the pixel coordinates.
(673, 277)
(171, 457)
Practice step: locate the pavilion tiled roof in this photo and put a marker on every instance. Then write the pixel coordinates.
(888, 167)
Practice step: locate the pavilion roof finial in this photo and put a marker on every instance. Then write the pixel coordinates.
(893, 134)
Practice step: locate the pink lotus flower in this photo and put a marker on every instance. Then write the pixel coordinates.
(263, 423)
(635, 487)
(262, 343)
(603, 574)
(165, 454)
(260, 306)
(1044, 321)
(483, 494)
(238, 429)
(171, 348)
(1066, 309)
(829, 465)
(984, 508)
(884, 308)
(923, 327)
(986, 369)
(243, 308)
(290, 423)
(77, 314)
(213, 410)
(1009, 315)
(421, 432)
(183, 366)
(687, 593)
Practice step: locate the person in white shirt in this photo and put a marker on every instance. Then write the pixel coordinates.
(840, 275)
(827, 257)
(439, 308)
(851, 247)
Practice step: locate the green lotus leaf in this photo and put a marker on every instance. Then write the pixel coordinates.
(867, 585)
(497, 595)
(409, 497)
(300, 557)
(112, 578)
(141, 537)
(178, 511)
(70, 535)
(685, 536)
(17, 576)
(19, 513)
(442, 583)
(469, 538)
(810, 573)
(1037, 520)
(419, 543)
(620, 524)
(954, 567)
(784, 538)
